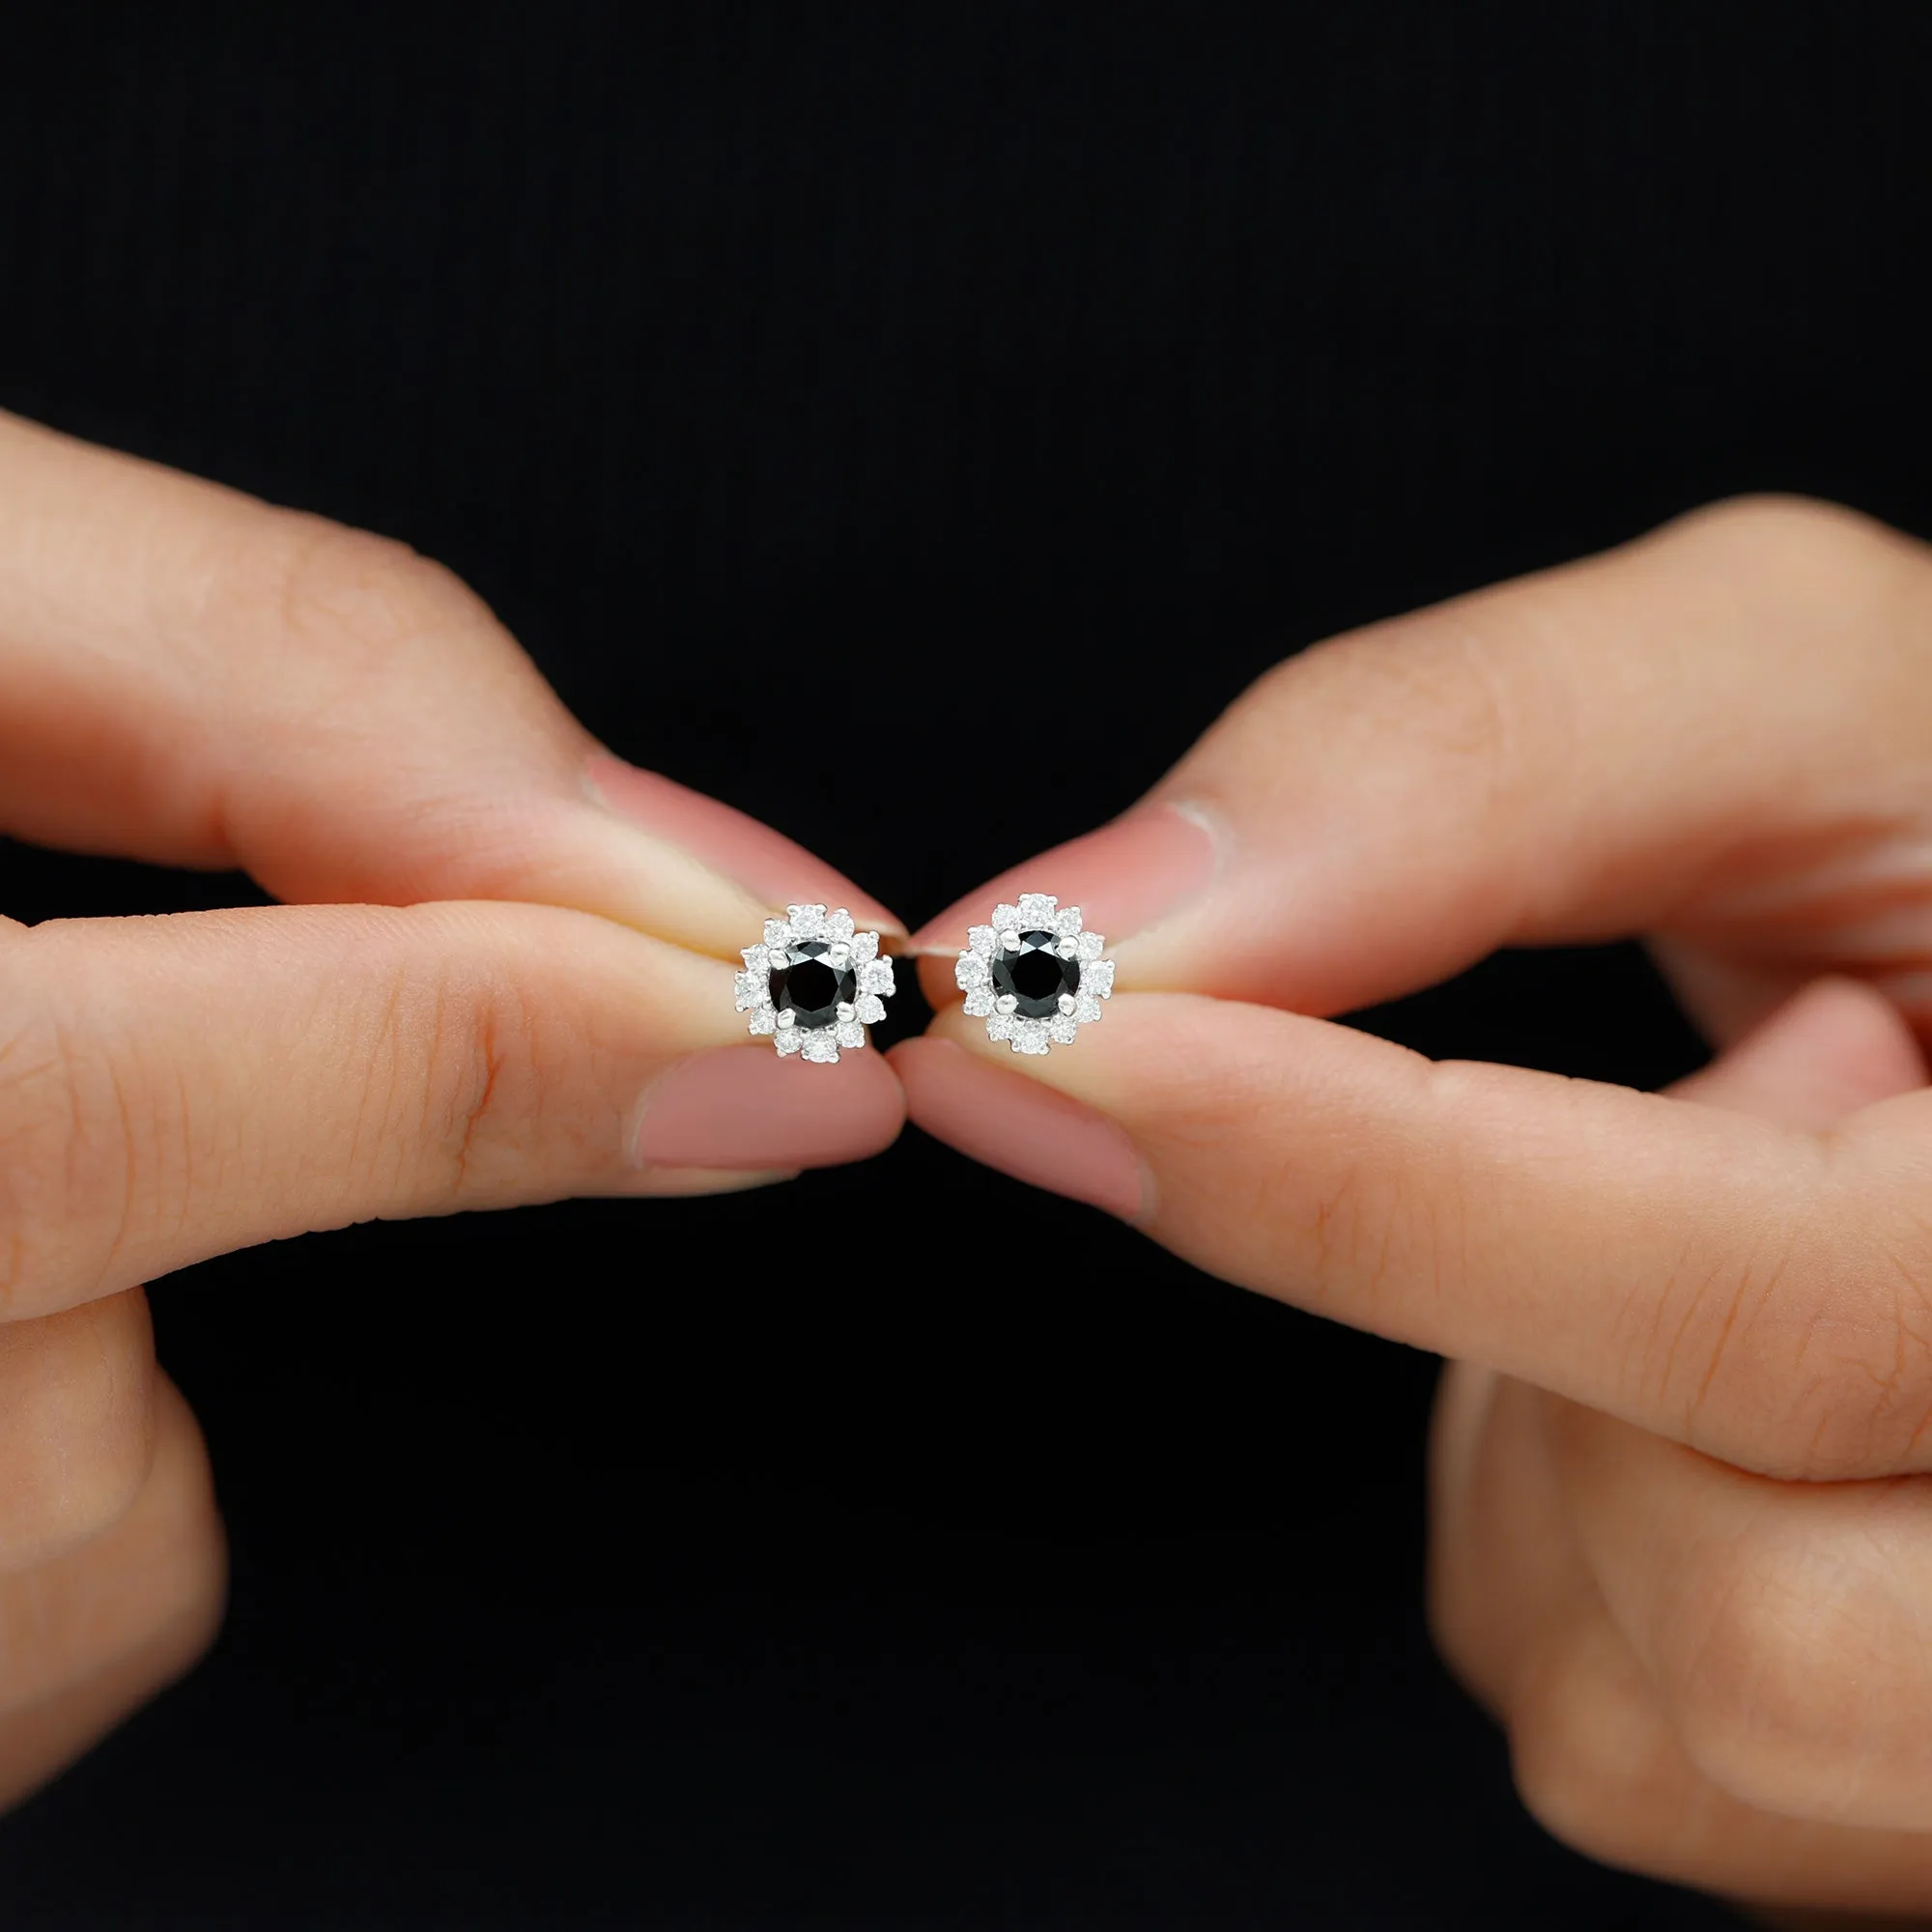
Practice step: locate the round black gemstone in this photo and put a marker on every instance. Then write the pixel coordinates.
(807, 987)
(1034, 975)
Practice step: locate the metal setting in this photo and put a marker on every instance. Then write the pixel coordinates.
(815, 985)
(1032, 975)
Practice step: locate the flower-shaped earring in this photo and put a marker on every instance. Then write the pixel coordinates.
(815, 985)
(1033, 976)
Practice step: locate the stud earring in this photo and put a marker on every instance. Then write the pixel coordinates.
(1034, 975)
(815, 985)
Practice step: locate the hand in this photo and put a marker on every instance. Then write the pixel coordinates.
(191, 678)
(1684, 1544)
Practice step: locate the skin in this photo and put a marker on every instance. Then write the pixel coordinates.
(1682, 1533)
(1682, 1544)
(486, 980)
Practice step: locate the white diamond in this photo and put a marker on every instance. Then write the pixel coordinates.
(750, 989)
(1030, 1036)
(1086, 1008)
(1000, 1027)
(868, 1009)
(820, 1045)
(1097, 978)
(790, 1039)
(865, 947)
(1006, 918)
(756, 959)
(850, 1033)
(1067, 921)
(979, 939)
(778, 933)
(969, 970)
(1091, 946)
(764, 1021)
(839, 924)
(980, 1001)
(876, 977)
(807, 921)
(1035, 911)
(1061, 1029)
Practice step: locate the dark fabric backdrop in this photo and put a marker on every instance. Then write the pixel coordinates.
(902, 1545)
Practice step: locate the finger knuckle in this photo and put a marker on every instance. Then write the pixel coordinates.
(69, 1125)
(344, 606)
(76, 1439)
(1785, 1664)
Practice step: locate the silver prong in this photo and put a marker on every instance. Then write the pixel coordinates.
(1069, 1005)
(1067, 948)
(1007, 1003)
(840, 957)
(1010, 940)
(846, 1011)
(787, 1017)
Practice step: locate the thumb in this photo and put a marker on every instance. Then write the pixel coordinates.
(1709, 720)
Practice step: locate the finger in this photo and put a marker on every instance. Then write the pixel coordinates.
(1713, 732)
(197, 678)
(173, 1088)
(1783, 1624)
(1737, 1284)
(89, 1636)
(1834, 1048)
(76, 1426)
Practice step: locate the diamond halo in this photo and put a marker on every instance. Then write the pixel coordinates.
(1033, 974)
(815, 984)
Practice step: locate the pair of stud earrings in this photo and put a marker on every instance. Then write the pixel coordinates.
(1034, 975)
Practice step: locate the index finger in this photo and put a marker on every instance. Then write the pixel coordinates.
(1746, 1287)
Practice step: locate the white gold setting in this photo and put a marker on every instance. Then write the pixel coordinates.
(1034, 975)
(815, 984)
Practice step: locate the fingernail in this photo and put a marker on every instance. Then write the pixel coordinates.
(765, 862)
(743, 1107)
(1125, 877)
(1035, 1133)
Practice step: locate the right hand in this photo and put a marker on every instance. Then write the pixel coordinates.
(507, 981)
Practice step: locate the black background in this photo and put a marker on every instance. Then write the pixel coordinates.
(901, 1545)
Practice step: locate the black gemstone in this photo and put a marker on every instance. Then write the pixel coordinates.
(1036, 975)
(804, 986)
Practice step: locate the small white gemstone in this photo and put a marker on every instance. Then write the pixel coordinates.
(868, 1009)
(1060, 1031)
(1091, 946)
(764, 1020)
(807, 921)
(758, 959)
(1067, 921)
(969, 970)
(865, 947)
(850, 1033)
(1036, 910)
(839, 924)
(790, 1039)
(1086, 1008)
(980, 939)
(1006, 918)
(820, 1045)
(1030, 1036)
(1000, 1027)
(1098, 979)
(876, 977)
(980, 1001)
(778, 933)
(750, 990)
